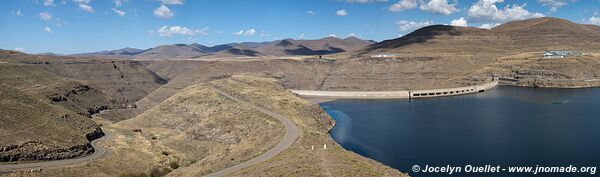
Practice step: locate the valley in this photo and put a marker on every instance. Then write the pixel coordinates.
(193, 110)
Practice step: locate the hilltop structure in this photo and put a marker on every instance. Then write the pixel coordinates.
(561, 54)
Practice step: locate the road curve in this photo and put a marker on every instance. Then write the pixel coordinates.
(292, 133)
(98, 153)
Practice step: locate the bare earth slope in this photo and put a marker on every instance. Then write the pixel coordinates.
(197, 129)
(31, 129)
(300, 159)
(47, 101)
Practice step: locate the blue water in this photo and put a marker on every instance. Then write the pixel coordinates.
(506, 126)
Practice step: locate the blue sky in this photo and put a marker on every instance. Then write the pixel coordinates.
(75, 26)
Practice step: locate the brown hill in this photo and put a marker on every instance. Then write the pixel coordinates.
(45, 101)
(119, 53)
(324, 46)
(534, 35)
(531, 35)
(31, 129)
(174, 51)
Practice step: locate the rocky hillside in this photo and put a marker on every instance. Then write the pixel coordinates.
(33, 129)
(108, 83)
(47, 102)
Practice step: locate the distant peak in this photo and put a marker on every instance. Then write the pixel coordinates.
(286, 43)
(330, 37)
(352, 38)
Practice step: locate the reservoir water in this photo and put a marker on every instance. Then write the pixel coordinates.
(505, 126)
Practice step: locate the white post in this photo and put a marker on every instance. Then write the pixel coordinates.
(324, 146)
(312, 147)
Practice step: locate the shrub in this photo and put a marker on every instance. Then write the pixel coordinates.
(174, 165)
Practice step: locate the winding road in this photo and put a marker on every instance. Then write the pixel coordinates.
(292, 133)
(99, 152)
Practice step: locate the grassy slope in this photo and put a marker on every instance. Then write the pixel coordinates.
(300, 160)
(197, 128)
(24, 118)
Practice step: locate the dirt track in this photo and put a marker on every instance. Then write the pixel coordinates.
(99, 152)
(292, 133)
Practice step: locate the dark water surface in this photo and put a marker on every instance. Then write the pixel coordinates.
(506, 126)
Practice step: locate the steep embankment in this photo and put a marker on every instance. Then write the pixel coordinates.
(82, 85)
(31, 129)
(196, 128)
(47, 99)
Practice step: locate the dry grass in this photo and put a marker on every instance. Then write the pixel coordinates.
(197, 129)
(300, 160)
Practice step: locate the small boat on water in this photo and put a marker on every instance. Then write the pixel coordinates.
(560, 102)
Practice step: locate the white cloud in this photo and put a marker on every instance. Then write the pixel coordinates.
(249, 32)
(172, 2)
(593, 20)
(19, 49)
(48, 2)
(489, 25)
(86, 8)
(45, 16)
(553, 4)
(118, 12)
(403, 5)
(301, 36)
(406, 26)
(164, 12)
(439, 7)
(363, 1)
(459, 22)
(47, 29)
(342, 12)
(17, 13)
(486, 11)
(331, 35)
(310, 12)
(352, 35)
(166, 31)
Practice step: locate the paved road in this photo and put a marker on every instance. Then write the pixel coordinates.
(98, 153)
(292, 133)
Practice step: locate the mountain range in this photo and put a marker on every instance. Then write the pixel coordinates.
(285, 47)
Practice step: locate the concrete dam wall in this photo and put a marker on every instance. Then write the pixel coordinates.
(408, 94)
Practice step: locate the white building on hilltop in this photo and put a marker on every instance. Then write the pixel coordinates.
(561, 54)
